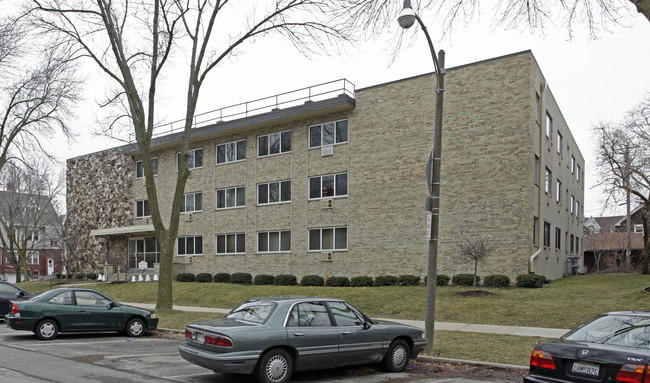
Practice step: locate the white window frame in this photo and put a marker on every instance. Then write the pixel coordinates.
(335, 177)
(577, 172)
(558, 190)
(558, 238)
(548, 181)
(573, 203)
(559, 143)
(225, 193)
(239, 239)
(194, 245)
(191, 197)
(235, 145)
(33, 256)
(573, 164)
(140, 207)
(139, 166)
(192, 157)
(281, 185)
(320, 238)
(343, 124)
(638, 228)
(268, 234)
(283, 149)
(549, 126)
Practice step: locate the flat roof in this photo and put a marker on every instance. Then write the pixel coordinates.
(125, 230)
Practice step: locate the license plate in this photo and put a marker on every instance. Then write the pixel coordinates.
(585, 368)
(200, 337)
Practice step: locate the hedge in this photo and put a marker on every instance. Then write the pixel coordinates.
(465, 280)
(222, 278)
(263, 279)
(241, 278)
(530, 281)
(386, 280)
(337, 282)
(204, 277)
(442, 279)
(362, 281)
(497, 281)
(312, 280)
(285, 280)
(186, 277)
(408, 280)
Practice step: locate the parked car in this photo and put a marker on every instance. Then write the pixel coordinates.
(611, 347)
(10, 292)
(275, 336)
(77, 310)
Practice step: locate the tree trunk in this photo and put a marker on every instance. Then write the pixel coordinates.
(643, 7)
(475, 270)
(164, 301)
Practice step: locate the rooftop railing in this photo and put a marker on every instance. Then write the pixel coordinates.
(285, 100)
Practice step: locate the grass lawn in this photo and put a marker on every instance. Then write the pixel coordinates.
(563, 303)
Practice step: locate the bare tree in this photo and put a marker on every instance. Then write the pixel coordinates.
(624, 162)
(39, 89)
(29, 220)
(476, 250)
(132, 42)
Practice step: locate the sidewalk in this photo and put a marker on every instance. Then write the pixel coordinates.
(442, 326)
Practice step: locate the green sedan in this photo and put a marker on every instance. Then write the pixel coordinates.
(77, 310)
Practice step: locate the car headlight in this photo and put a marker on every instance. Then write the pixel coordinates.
(153, 316)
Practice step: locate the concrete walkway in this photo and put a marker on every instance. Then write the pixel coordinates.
(442, 326)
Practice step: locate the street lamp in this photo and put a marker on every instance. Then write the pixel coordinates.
(406, 20)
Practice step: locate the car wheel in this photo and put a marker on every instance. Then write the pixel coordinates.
(276, 366)
(47, 329)
(398, 356)
(135, 327)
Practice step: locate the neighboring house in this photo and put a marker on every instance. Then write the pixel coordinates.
(43, 233)
(335, 185)
(606, 241)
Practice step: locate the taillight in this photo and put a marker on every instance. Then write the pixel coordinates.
(632, 373)
(188, 333)
(14, 309)
(542, 359)
(218, 341)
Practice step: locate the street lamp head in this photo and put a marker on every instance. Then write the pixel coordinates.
(406, 18)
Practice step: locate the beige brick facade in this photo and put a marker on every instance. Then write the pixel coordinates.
(490, 187)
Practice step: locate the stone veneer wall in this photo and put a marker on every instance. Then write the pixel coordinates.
(99, 195)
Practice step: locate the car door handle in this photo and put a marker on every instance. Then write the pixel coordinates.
(298, 334)
(82, 311)
(346, 332)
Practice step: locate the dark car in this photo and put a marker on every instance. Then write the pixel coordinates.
(77, 310)
(275, 336)
(612, 347)
(8, 293)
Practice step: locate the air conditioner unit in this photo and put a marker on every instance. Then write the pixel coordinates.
(326, 256)
(327, 150)
(327, 203)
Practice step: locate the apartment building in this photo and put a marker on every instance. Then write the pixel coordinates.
(334, 183)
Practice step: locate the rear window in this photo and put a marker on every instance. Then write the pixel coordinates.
(254, 312)
(619, 330)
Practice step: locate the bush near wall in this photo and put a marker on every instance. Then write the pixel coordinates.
(442, 280)
(496, 281)
(285, 280)
(186, 277)
(362, 281)
(408, 280)
(386, 280)
(80, 276)
(241, 278)
(337, 282)
(91, 276)
(263, 279)
(222, 278)
(465, 280)
(204, 277)
(530, 281)
(312, 280)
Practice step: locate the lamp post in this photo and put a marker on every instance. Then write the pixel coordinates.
(406, 20)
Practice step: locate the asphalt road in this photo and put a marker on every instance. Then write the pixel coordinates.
(114, 357)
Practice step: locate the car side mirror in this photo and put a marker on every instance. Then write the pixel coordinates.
(21, 294)
(112, 305)
(366, 325)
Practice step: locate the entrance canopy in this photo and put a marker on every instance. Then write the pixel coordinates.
(126, 230)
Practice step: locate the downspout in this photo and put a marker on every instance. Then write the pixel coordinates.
(540, 181)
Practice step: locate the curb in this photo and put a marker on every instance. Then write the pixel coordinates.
(474, 362)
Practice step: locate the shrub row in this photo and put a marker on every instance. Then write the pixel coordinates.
(524, 280)
(78, 276)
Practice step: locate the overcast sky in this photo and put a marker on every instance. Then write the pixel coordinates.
(592, 80)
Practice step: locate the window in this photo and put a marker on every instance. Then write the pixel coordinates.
(547, 234)
(578, 173)
(190, 245)
(577, 208)
(231, 243)
(538, 105)
(558, 190)
(273, 192)
(344, 315)
(577, 245)
(142, 209)
(333, 185)
(231, 152)
(139, 168)
(64, 298)
(547, 181)
(573, 203)
(192, 202)
(538, 167)
(573, 164)
(571, 244)
(231, 197)
(638, 228)
(535, 231)
(33, 259)
(328, 239)
(559, 143)
(90, 298)
(275, 143)
(35, 235)
(273, 241)
(194, 159)
(328, 133)
(549, 125)
(312, 314)
(558, 238)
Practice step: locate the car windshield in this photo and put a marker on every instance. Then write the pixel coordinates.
(255, 312)
(620, 330)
